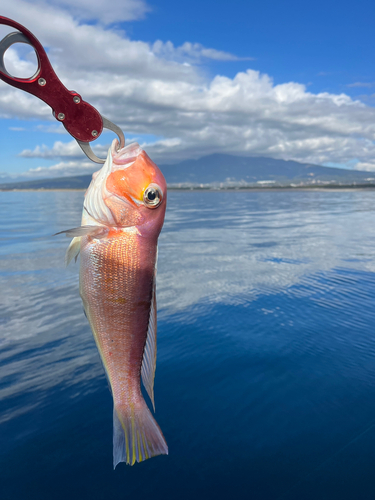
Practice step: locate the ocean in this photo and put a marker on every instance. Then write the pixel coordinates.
(265, 379)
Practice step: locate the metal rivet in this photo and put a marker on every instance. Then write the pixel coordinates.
(42, 82)
(94, 133)
(76, 99)
(61, 116)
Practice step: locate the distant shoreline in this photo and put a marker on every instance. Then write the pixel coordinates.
(223, 172)
(331, 187)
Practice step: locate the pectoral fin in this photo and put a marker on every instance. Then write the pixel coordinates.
(77, 232)
(94, 231)
(73, 250)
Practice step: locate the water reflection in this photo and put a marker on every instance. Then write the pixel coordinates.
(245, 244)
(216, 247)
(266, 317)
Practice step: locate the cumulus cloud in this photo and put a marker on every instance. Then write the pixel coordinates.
(248, 115)
(367, 166)
(73, 160)
(105, 13)
(59, 150)
(193, 52)
(74, 163)
(22, 68)
(159, 89)
(63, 169)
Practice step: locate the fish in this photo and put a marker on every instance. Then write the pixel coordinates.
(123, 214)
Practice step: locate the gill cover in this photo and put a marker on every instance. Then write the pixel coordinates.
(100, 203)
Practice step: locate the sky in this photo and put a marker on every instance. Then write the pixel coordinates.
(283, 79)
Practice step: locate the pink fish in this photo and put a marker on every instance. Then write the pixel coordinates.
(123, 214)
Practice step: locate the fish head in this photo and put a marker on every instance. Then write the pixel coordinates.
(128, 191)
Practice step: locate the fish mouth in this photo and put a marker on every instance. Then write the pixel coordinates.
(125, 157)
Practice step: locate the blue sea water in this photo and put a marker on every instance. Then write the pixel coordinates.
(265, 381)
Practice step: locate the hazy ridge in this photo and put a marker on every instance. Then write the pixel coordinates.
(228, 171)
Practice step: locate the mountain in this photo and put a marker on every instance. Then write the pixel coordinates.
(74, 182)
(221, 170)
(229, 169)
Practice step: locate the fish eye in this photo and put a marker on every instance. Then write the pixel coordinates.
(153, 196)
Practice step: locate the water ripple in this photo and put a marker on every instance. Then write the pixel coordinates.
(266, 346)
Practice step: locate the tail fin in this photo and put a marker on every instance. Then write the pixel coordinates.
(136, 435)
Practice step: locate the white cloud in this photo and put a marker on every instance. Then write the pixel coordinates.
(22, 68)
(64, 169)
(192, 52)
(361, 84)
(159, 89)
(59, 150)
(367, 166)
(114, 11)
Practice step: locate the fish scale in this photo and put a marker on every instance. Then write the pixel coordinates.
(117, 242)
(126, 324)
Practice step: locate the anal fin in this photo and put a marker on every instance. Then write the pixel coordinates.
(149, 353)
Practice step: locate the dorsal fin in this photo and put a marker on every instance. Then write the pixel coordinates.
(149, 354)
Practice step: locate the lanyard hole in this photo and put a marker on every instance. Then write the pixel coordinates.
(18, 58)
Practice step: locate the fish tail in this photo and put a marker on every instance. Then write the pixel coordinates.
(136, 435)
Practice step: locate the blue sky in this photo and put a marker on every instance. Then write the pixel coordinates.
(291, 80)
(324, 44)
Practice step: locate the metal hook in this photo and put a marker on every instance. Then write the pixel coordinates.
(86, 148)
